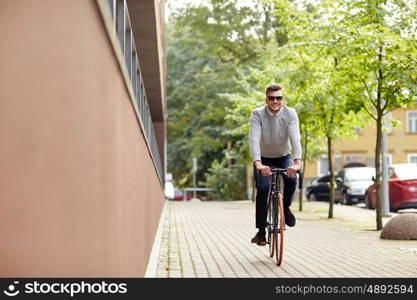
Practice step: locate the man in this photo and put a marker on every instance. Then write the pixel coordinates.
(273, 134)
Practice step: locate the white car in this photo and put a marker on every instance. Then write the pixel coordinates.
(352, 184)
(169, 187)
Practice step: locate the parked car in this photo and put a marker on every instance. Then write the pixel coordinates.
(169, 190)
(352, 184)
(402, 187)
(179, 195)
(318, 190)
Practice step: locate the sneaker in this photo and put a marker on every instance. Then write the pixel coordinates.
(259, 239)
(289, 217)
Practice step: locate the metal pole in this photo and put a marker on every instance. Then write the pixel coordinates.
(384, 166)
(194, 177)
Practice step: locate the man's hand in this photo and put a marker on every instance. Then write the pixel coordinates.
(265, 170)
(292, 170)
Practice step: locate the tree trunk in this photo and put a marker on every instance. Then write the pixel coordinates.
(228, 155)
(332, 181)
(379, 111)
(300, 191)
(330, 159)
(378, 173)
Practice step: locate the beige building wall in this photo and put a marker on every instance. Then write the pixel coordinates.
(79, 193)
(401, 143)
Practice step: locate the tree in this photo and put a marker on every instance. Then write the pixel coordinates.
(312, 57)
(208, 45)
(324, 103)
(380, 67)
(307, 67)
(337, 60)
(195, 111)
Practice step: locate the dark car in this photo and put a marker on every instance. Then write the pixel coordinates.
(352, 184)
(402, 187)
(318, 190)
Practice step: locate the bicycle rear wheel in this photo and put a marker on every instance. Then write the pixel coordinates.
(279, 236)
(270, 228)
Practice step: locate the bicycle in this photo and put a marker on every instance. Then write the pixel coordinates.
(275, 218)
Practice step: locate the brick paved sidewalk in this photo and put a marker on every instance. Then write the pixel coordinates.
(212, 239)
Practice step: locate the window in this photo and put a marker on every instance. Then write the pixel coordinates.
(370, 161)
(111, 5)
(354, 158)
(337, 163)
(121, 23)
(323, 166)
(387, 122)
(120, 30)
(412, 121)
(412, 158)
(128, 51)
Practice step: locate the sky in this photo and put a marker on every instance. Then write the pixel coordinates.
(174, 4)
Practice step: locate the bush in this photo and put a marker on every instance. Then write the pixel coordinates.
(228, 183)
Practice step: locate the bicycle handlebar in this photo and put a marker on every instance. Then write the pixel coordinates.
(279, 170)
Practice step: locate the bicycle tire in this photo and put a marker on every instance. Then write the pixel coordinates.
(279, 244)
(275, 229)
(270, 228)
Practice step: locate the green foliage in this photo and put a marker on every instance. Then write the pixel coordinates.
(228, 183)
(337, 61)
(195, 112)
(208, 47)
(379, 64)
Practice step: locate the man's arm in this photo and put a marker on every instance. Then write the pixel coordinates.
(255, 131)
(294, 136)
(255, 143)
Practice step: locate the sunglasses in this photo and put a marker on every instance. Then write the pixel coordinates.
(278, 98)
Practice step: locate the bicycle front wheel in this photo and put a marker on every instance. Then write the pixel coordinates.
(279, 243)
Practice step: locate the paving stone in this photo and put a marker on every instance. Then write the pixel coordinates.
(345, 246)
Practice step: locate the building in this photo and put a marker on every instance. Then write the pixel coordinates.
(402, 145)
(82, 127)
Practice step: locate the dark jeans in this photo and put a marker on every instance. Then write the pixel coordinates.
(262, 187)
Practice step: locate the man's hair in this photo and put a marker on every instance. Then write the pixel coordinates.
(273, 88)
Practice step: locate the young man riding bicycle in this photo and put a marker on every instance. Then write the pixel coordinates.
(273, 134)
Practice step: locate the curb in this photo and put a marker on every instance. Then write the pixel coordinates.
(152, 267)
